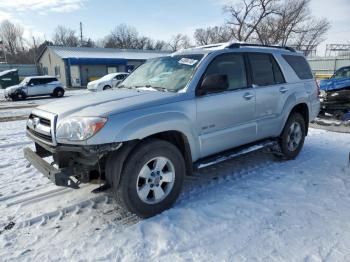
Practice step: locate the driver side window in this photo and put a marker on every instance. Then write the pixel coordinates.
(231, 65)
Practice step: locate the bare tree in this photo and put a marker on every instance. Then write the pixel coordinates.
(212, 35)
(11, 36)
(293, 25)
(65, 37)
(245, 17)
(123, 36)
(311, 35)
(179, 41)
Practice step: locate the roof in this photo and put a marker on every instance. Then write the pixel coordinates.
(44, 76)
(105, 53)
(2, 73)
(235, 45)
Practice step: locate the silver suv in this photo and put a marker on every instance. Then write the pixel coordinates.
(173, 115)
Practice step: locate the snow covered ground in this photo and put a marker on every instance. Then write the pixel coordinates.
(254, 208)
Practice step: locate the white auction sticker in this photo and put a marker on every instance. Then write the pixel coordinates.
(188, 61)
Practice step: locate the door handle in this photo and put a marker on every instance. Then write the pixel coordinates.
(248, 96)
(283, 90)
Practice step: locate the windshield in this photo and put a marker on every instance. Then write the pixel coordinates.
(108, 77)
(170, 73)
(24, 81)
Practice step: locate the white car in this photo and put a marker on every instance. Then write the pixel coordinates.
(35, 86)
(107, 82)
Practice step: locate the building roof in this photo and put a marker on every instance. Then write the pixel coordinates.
(106, 53)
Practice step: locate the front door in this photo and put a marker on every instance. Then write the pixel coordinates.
(226, 119)
(34, 87)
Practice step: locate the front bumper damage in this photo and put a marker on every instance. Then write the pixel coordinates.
(335, 102)
(71, 165)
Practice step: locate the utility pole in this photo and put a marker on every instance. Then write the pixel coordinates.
(81, 33)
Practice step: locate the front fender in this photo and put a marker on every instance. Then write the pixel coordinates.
(145, 126)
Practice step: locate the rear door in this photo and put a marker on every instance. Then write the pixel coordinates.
(49, 85)
(226, 119)
(271, 92)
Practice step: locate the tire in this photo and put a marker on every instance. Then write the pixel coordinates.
(106, 87)
(292, 138)
(58, 92)
(19, 96)
(145, 188)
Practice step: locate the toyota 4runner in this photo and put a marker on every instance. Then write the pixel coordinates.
(172, 115)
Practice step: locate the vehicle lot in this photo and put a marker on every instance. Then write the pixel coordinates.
(251, 208)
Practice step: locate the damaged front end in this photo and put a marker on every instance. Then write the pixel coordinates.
(71, 165)
(335, 102)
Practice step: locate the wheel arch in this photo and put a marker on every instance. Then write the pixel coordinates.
(303, 109)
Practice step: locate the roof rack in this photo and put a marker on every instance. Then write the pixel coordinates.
(209, 46)
(238, 45)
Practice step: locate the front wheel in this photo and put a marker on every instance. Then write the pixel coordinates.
(293, 136)
(151, 179)
(19, 96)
(106, 87)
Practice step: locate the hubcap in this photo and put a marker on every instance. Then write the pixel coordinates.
(294, 137)
(155, 180)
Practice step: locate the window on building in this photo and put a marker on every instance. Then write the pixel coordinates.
(57, 71)
(45, 70)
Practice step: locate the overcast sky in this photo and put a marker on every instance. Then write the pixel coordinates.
(158, 19)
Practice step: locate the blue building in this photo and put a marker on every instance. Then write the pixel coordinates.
(76, 66)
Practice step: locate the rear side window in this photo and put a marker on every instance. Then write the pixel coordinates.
(47, 80)
(299, 65)
(265, 70)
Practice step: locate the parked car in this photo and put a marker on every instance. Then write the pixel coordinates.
(107, 82)
(211, 103)
(340, 80)
(335, 93)
(35, 86)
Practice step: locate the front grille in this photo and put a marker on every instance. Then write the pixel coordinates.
(46, 138)
(40, 127)
(44, 121)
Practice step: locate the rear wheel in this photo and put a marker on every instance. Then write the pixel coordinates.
(58, 92)
(293, 136)
(151, 179)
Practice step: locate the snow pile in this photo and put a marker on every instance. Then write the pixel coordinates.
(247, 209)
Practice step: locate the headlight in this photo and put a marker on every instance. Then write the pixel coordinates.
(80, 128)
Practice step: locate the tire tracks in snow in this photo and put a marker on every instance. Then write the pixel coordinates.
(194, 187)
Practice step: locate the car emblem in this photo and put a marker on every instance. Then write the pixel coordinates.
(36, 121)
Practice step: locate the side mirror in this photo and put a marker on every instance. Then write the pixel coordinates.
(213, 84)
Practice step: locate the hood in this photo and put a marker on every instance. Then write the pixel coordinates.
(326, 84)
(94, 82)
(11, 89)
(108, 102)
